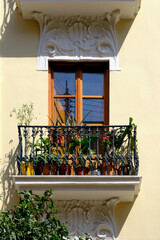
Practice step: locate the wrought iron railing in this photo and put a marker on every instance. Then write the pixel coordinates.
(82, 150)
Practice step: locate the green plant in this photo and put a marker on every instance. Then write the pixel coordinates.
(85, 237)
(43, 148)
(33, 219)
(77, 145)
(120, 139)
(94, 166)
(82, 144)
(24, 114)
(70, 120)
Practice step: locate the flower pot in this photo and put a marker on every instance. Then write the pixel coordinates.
(38, 171)
(110, 169)
(46, 169)
(78, 170)
(126, 170)
(64, 170)
(30, 169)
(54, 169)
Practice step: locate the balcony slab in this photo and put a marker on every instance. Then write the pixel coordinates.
(128, 8)
(67, 187)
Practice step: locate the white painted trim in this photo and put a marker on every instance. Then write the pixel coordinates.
(83, 187)
(128, 8)
(87, 216)
(42, 62)
(78, 38)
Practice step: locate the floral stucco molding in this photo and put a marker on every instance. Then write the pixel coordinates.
(89, 216)
(78, 38)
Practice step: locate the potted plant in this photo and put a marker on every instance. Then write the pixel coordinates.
(117, 159)
(45, 157)
(80, 148)
(76, 148)
(65, 169)
(27, 168)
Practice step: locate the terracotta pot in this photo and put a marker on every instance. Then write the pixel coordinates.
(127, 168)
(64, 170)
(102, 168)
(109, 169)
(78, 170)
(38, 170)
(45, 169)
(30, 169)
(54, 169)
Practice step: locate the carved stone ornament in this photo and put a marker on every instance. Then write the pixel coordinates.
(78, 38)
(89, 216)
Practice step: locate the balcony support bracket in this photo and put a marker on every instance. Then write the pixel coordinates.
(95, 218)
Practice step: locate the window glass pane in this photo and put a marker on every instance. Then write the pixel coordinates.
(63, 108)
(93, 84)
(95, 108)
(64, 83)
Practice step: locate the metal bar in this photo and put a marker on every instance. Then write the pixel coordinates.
(33, 152)
(49, 151)
(25, 148)
(122, 156)
(129, 152)
(19, 156)
(136, 159)
(75, 126)
(113, 156)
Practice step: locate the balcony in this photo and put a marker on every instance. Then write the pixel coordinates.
(128, 8)
(79, 162)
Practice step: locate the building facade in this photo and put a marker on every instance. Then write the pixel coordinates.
(41, 43)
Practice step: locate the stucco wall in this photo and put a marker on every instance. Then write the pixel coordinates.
(20, 84)
(134, 91)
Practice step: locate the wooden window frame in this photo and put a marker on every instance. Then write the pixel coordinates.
(78, 90)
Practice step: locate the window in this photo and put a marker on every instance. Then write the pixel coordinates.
(79, 89)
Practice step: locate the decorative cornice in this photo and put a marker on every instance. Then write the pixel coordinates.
(78, 38)
(93, 217)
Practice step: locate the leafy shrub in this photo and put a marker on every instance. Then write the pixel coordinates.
(33, 219)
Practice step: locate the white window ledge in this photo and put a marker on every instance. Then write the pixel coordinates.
(82, 187)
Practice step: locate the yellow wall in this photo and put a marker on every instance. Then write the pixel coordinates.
(134, 91)
(20, 84)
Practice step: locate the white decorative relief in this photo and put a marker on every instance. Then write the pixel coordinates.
(89, 216)
(78, 38)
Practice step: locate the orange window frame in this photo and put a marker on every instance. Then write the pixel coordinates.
(78, 90)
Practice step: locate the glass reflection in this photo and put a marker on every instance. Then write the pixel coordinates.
(95, 108)
(93, 84)
(64, 83)
(63, 108)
